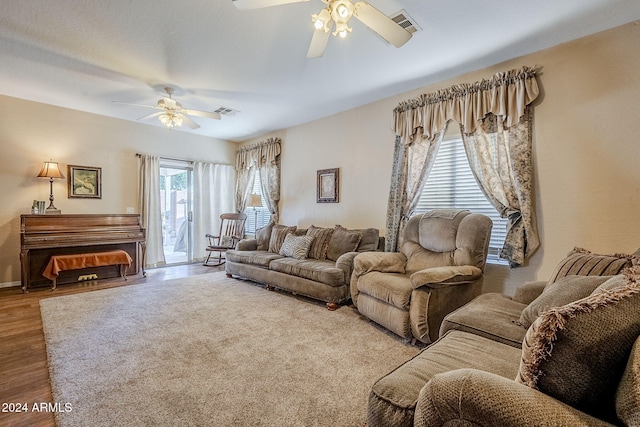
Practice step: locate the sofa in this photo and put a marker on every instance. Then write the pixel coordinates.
(315, 262)
(562, 352)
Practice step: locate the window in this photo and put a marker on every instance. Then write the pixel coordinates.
(260, 215)
(451, 184)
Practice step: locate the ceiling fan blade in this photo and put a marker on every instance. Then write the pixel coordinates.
(259, 4)
(139, 105)
(199, 113)
(381, 24)
(318, 43)
(187, 121)
(148, 116)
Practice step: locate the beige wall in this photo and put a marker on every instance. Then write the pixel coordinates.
(585, 148)
(31, 133)
(586, 152)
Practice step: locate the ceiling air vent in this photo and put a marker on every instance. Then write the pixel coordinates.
(403, 19)
(225, 111)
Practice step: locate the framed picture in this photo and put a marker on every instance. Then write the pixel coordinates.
(85, 182)
(328, 186)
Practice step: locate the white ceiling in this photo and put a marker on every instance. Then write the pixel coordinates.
(84, 54)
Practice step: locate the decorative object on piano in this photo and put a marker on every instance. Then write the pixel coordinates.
(85, 182)
(37, 208)
(328, 186)
(51, 170)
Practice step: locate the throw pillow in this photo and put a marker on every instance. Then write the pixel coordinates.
(227, 242)
(278, 233)
(296, 246)
(342, 241)
(561, 292)
(628, 394)
(581, 262)
(320, 244)
(577, 353)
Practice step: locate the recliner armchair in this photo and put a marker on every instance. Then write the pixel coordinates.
(439, 268)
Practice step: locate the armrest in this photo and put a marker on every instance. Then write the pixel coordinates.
(384, 262)
(439, 277)
(529, 291)
(474, 397)
(247, 245)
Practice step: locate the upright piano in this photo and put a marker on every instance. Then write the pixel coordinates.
(43, 236)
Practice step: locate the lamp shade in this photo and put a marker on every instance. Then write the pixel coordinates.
(255, 201)
(50, 170)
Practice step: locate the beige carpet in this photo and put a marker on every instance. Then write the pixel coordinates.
(211, 351)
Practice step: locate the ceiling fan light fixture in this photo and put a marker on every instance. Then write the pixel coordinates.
(321, 20)
(342, 30)
(341, 11)
(170, 120)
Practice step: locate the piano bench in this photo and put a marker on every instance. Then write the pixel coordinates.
(59, 263)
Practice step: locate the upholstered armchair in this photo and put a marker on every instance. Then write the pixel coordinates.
(439, 268)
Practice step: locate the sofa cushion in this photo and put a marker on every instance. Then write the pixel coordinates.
(257, 258)
(491, 315)
(577, 353)
(370, 238)
(563, 291)
(393, 398)
(628, 394)
(296, 246)
(581, 262)
(263, 235)
(278, 234)
(319, 271)
(320, 244)
(342, 241)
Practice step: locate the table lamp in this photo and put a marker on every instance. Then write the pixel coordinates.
(51, 170)
(255, 201)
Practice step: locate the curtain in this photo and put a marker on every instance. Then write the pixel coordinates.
(411, 166)
(213, 195)
(150, 208)
(265, 158)
(507, 97)
(501, 161)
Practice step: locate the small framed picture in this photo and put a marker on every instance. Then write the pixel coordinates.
(85, 182)
(328, 186)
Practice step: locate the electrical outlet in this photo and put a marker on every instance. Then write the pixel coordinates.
(129, 210)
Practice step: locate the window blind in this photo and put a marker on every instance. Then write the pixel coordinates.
(263, 214)
(451, 184)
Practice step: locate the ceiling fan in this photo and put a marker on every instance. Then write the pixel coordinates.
(336, 16)
(171, 114)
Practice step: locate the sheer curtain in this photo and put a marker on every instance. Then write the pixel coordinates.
(213, 194)
(265, 156)
(507, 97)
(150, 208)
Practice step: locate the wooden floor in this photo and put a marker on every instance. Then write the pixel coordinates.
(24, 375)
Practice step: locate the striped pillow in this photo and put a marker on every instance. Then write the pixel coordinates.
(278, 233)
(581, 262)
(296, 246)
(318, 249)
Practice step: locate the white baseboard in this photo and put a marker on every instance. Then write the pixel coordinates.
(10, 284)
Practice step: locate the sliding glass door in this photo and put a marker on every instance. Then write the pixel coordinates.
(176, 192)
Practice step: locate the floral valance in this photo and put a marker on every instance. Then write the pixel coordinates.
(261, 153)
(505, 94)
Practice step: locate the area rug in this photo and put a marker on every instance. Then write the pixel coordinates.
(211, 351)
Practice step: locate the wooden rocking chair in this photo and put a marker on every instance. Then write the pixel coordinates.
(231, 232)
